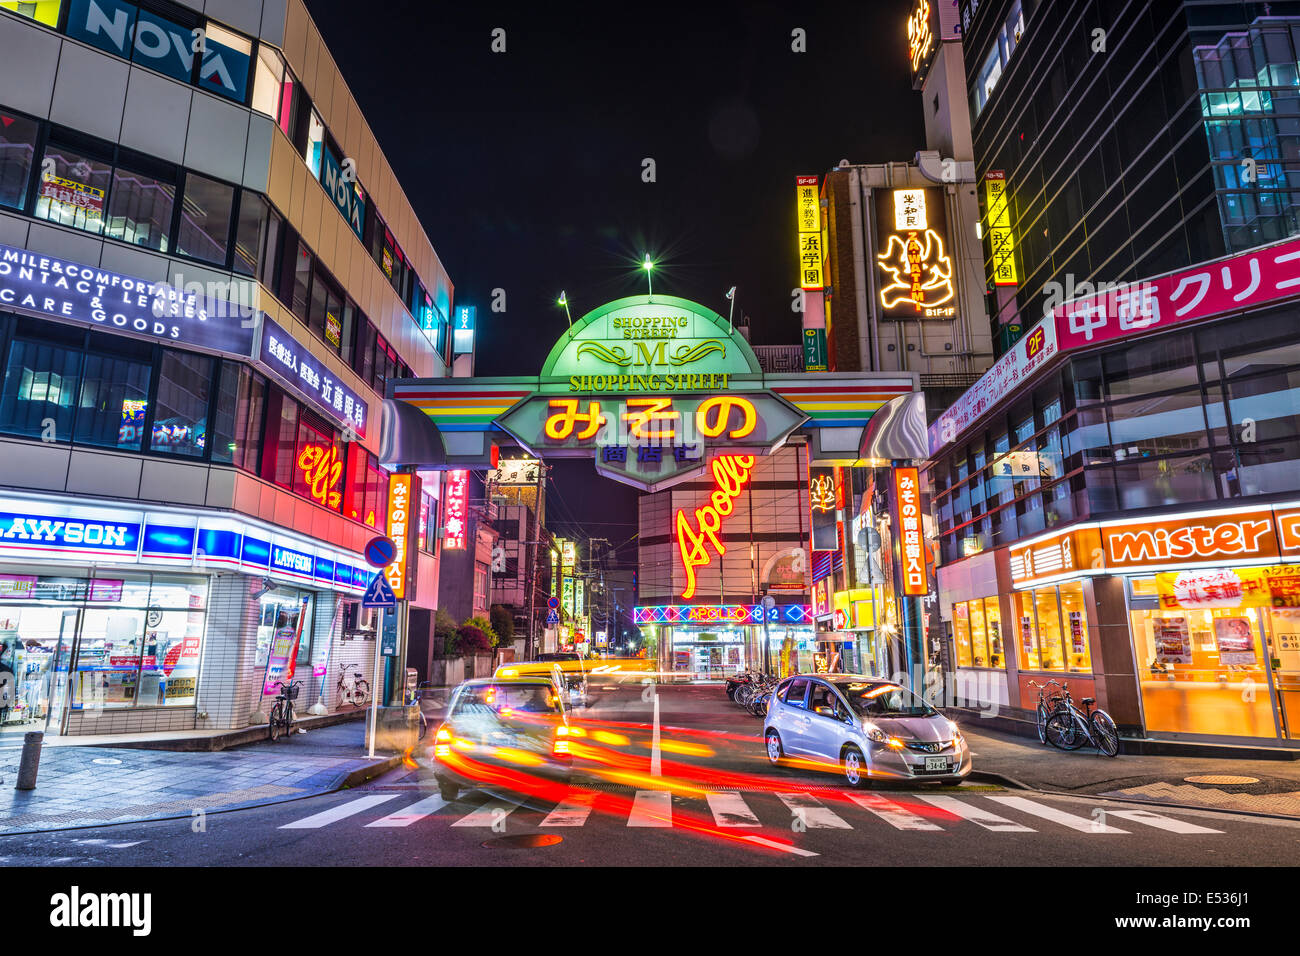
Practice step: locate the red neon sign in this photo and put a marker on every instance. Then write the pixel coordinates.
(457, 504)
(321, 469)
(730, 475)
(907, 486)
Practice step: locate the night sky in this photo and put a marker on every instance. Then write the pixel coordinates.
(525, 167)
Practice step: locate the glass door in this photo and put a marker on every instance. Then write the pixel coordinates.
(57, 713)
(1282, 627)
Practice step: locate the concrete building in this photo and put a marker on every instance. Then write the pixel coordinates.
(208, 274)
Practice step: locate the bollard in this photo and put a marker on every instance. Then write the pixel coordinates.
(30, 760)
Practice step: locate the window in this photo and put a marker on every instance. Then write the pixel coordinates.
(17, 150)
(480, 586)
(1044, 644)
(302, 267)
(268, 81)
(41, 378)
(993, 617)
(73, 187)
(961, 633)
(318, 461)
(249, 415)
(281, 437)
(42, 11)
(315, 143)
(114, 396)
(224, 443)
(822, 696)
(797, 692)
(1074, 615)
(254, 242)
(225, 63)
(141, 203)
(181, 410)
(206, 213)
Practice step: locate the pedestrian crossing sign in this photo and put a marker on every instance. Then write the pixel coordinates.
(379, 593)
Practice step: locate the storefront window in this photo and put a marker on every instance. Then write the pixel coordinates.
(285, 617)
(1075, 618)
(993, 618)
(114, 393)
(978, 635)
(1050, 648)
(73, 188)
(1053, 629)
(961, 633)
(1027, 632)
(181, 413)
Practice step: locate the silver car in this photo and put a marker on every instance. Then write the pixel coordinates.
(869, 728)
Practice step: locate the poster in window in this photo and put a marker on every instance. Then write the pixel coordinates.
(1078, 636)
(333, 329)
(1173, 642)
(1027, 634)
(1235, 639)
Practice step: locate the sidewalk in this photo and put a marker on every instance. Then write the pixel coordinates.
(1257, 786)
(88, 786)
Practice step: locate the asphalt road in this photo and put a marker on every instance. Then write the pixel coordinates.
(713, 801)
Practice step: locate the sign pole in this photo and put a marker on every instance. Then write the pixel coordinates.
(374, 694)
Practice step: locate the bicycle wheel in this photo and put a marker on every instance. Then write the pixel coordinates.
(1104, 733)
(273, 726)
(288, 720)
(1064, 732)
(1042, 723)
(360, 691)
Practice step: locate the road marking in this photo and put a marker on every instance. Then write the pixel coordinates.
(571, 812)
(491, 813)
(730, 810)
(416, 811)
(764, 841)
(896, 816)
(1159, 822)
(655, 768)
(651, 808)
(111, 846)
(1082, 824)
(985, 818)
(342, 811)
(810, 811)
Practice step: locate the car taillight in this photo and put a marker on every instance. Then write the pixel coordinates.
(442, 741)
(561, 745)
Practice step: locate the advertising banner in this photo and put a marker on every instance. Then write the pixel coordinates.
(288, 360)
(1173, 642)
(1235, 639)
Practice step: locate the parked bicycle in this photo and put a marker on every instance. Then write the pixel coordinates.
(281, 724)
(416, 696)
(1048, 704)
(1069, 728)
(352, 688)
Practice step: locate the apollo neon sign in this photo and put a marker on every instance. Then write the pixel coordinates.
(695, 534)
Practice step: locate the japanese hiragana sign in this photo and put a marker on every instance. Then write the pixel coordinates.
(907, 485)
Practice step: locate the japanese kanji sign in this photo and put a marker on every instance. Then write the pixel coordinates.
(908, 488)
(1232, 284)
(809, 215)
(1001, 242)
(455, 510)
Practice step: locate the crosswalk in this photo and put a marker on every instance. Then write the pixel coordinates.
(932, 813)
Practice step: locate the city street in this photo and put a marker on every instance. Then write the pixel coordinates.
(715, 802)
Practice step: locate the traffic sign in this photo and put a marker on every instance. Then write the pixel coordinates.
(379, 593)
(552, 617)
(553, 603)
(380, 552)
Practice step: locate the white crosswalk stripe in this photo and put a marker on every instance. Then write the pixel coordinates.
(975, 814)
(730, 810)
(412, 814)
(1160, 822)
(809, 810)
(897, 817)
(651, 808)
(342, 811)
(1094, 824)
(490, 814)
(573, 811)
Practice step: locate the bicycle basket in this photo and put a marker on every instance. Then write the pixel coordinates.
(291, 691)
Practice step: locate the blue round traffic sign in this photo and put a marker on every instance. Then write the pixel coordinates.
(380, 551)
(553, 603)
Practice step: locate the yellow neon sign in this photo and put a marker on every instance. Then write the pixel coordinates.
(809, 215)
(1000, 238)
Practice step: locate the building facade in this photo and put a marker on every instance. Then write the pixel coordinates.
(208, 274)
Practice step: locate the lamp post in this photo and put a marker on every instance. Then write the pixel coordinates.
(564, 301)
(731, 311)
(649, 268)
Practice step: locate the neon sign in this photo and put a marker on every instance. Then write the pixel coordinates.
(401, 489)
(721, 614)
(1000, 237)
(920, 38)
(652, 419)
(906, 483)
(810, 233)
(821, 493)
(453, 536)
(730, 473)
(321, 470)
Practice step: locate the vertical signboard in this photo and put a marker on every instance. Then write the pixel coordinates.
(403, 489)
(579, 598)
(456, 510)
(999, 219)
(822, 508)
(916, 271)
(809, 215)
(814, 350)
(911, 547)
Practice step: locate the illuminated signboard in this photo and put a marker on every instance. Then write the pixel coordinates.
(809, 216)
(402, 490)
(908, 489)
(721, 614)
(462, 338)
(695, 533)
(566, 598)
(579, 598)
(555, 572)
(456, 511)
(282, 355)
(999, 228)
(516, 471)
(322, 470)
(916, 272)
(922, 39)
(569, 553)
(822, 505)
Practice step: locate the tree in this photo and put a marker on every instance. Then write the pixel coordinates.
(475, 636)
(503, 622)
(444, 634)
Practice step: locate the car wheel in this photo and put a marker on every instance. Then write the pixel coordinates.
(854, 767)
(775, 752)
(448, 790)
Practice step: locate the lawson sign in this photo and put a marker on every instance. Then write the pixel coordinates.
(160, 44)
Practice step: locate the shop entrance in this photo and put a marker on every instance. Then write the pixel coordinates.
(708, 655)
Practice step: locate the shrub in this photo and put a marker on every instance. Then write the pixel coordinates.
(503, 623)
(472, 640)
(444, 634)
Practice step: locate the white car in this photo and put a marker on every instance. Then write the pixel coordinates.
(868, 727)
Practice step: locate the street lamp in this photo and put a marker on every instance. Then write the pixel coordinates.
(564, 301)
(731, 297)
(649, 268)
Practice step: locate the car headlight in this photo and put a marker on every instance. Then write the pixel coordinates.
(874, 733)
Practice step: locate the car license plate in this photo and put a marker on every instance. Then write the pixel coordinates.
(936, 763)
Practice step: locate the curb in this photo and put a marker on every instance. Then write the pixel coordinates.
(351, 779)
(235, 738)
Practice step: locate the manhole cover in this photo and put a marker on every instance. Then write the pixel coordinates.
(106, 761)
(523, 841)
(1219, 778)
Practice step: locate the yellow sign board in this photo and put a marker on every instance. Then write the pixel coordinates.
(1000, 238)
(809, 214)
